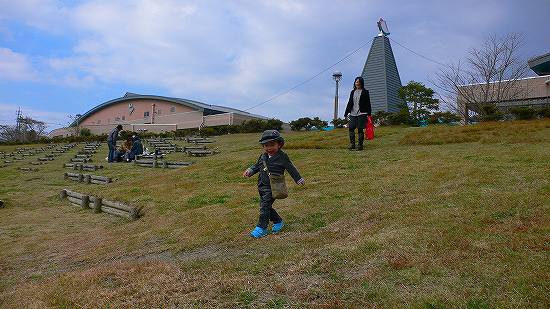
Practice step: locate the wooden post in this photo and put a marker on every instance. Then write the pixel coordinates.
(84, 201)
(65, 176)
(80, 178)
(87, 178)
(63, 193)
(97, 204)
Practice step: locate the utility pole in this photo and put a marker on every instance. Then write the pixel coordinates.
(337, 76)
(18, 123)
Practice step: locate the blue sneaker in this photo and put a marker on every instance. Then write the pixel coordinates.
(258, 232)
(277, 227)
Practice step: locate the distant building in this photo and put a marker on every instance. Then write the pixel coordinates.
(540, 64)
(151, 113)
(528, 92)
(381, 75)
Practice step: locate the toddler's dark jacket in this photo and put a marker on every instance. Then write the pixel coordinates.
(277, 164)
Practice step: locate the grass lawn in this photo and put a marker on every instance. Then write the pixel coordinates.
(437, 217)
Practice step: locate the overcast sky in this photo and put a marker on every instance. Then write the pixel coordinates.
(60, 58)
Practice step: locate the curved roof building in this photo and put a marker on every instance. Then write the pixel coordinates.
(540, 64)
(137, 112)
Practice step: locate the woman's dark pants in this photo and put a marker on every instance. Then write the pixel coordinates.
(357, 122)
(267, 213)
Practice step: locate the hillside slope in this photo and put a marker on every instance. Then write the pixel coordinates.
(423, 217)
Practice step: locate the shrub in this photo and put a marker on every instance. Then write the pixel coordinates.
(318, 123)
(544, 112)
(339, 123)
(523, 112)
(85, 132)
(443, 117)
(250, 126)
(387, 118)
(300, 123)
(382, 117)
(307, 124)
(490, 112)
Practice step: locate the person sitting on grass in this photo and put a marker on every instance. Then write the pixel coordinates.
(272, 161)
(119, 154)
(137, 148)
(127, 147)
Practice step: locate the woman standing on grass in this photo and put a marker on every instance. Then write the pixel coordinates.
(358, 109)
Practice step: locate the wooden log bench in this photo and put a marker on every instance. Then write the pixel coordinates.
(186, 148)
(166, 164)
(100, 180)
(149, 156)
(80, 160)
(87, 178)
(84, 156)
(39, 163)
(171, 147)
(146, 163)
(28, 169)
(99, 205)
(201, 142)
(46, 159)
(87, 152)
(201, 153)
(84, 167)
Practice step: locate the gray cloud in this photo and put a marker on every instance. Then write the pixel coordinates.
(241, 53)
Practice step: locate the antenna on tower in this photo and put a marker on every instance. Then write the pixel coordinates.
(383, 27)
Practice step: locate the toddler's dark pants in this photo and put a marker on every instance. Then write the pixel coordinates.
(267, 213)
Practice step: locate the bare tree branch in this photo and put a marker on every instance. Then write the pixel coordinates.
(489, 77)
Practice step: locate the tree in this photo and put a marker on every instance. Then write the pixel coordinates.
(300, 123)
(75, 125)
(339, 122)
(318, 123)
(28, 130)
(307, 124)
(421, 97)
(489, 76)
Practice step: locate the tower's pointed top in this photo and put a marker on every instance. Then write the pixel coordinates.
(383, 27)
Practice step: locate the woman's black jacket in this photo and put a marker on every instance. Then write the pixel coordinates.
(364, 103)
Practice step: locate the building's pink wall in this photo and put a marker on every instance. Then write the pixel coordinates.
(109, 114)
(103, 121)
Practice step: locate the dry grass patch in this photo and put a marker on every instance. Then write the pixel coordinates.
(397, 225)
(492, 132)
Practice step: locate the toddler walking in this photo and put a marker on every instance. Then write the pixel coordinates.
(272, 161)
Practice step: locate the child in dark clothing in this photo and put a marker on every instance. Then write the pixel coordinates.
(277, 162)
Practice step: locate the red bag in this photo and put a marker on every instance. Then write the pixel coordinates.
(369, 132)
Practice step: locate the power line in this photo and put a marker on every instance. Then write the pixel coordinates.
(311, 78)
(418, 54)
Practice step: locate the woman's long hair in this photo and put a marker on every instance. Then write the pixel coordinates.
(361, 80)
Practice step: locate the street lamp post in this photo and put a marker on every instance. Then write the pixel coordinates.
(337, 76)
